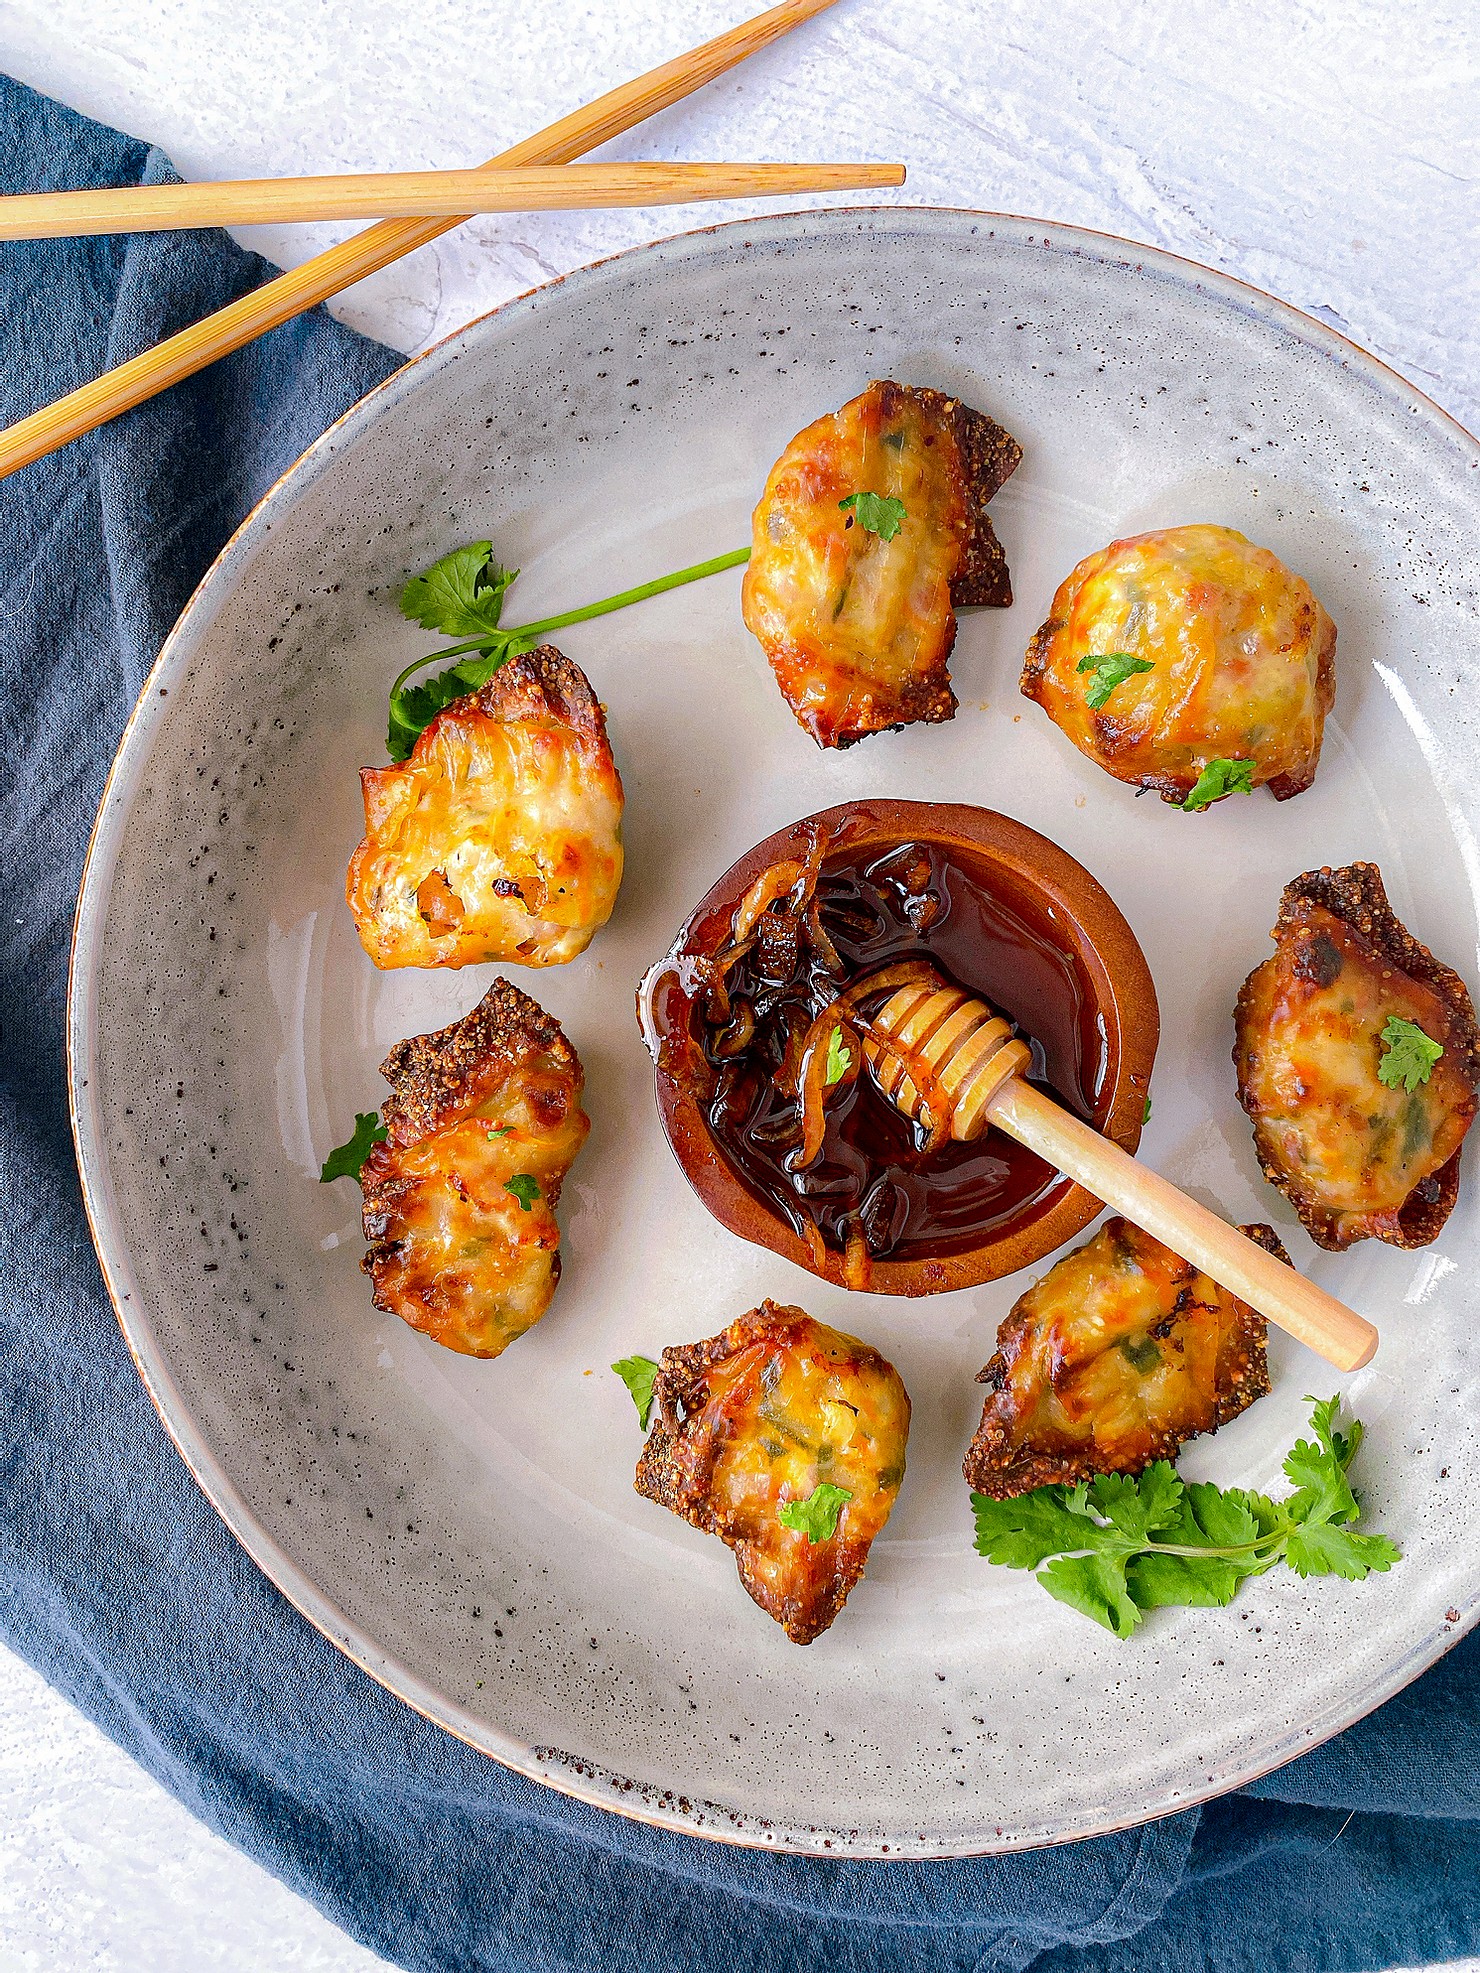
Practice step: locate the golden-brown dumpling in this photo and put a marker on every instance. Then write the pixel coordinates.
(761, 1416)
(858, 627)
(500, 838)
(483, 1121)
(1241, 662)
(1118, 1356)
(1356, 1157)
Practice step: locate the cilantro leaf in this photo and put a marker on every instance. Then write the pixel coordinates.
(1135, 1507)
(347, 1160)
(638, 1373)
(1022, 1532)
(1095, 1585)
(1118, 1545)
(880, 513)
(1108, 671)
(461, 594)
(1146, 1112)
(816, 1517)
(1319, 1471)
(1208, 1582)
(839, 1058)
(524, 1188)
(1409, 1054)
(1220, 778)
(1321, 1549)
(1214, 1517)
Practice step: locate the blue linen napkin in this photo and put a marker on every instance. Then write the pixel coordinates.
(119, 1583)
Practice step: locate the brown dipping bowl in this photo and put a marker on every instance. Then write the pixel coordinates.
(1015, 870)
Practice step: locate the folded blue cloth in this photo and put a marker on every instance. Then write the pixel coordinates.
(120, 1585)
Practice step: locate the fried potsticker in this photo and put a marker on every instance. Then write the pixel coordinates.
(1170, 650)
(854, 605)
(500, 838)
(764, 1415)
(1118, 1356)
(1361, 1149)
(483, 1122)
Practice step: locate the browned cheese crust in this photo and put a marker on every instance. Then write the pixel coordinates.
(1356, 1159)
(858, 629)
(492, 1099)
(1118, 1356)
(1240, 657)
(500, 837)
(763, 1414)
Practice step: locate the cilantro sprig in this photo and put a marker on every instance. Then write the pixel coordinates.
(816, 1517)
(1117, 1546)
(638, 1373)
(462, 595)
(1219, 778)
(1107, 670)
(1408, 1054)
(347, 1160)
(880, 513)
(524, 1188)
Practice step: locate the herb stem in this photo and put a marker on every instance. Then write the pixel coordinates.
(531, 632)
(716, 565)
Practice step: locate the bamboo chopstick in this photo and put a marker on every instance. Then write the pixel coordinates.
(340, 266)
(406, 194)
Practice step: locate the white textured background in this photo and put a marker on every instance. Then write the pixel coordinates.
(1328, 150)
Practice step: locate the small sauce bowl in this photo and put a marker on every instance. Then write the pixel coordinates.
(1025, 927)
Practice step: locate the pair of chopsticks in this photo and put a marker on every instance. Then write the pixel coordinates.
(421, 206)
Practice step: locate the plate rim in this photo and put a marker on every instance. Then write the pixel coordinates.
(569, 1774)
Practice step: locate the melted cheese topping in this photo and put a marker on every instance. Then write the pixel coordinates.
(857, 628)
(1311, 1021)
(1120, 1353)
(1241, 655)
(497, 840)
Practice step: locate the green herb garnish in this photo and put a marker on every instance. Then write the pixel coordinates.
(638, 1374)
(524, 1188)
(1146, 1112)
(839, 1058)
(500, 1130)
(816, 1517)
(1113, 669)
(880, 513)
(347, 1160)
(1220, 778)
(1408, 1056)
(1115, 1547)
(462, 595)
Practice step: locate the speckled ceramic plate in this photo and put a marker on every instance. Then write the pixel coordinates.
(467, 1531)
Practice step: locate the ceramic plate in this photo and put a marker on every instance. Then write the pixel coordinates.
(467, 1530)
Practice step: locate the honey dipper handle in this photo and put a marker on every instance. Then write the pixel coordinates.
(1151, 1202)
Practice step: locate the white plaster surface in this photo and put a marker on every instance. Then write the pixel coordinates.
(1328, 150)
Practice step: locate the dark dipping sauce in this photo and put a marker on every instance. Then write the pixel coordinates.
(875, 1172)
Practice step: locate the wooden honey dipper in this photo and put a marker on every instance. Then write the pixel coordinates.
(941, 1055)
